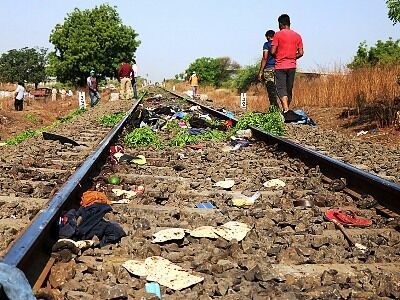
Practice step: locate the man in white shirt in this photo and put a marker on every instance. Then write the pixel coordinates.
(19, 97)
(134, 77)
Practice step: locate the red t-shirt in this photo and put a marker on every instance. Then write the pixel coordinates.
(287, 42)
(125, 70)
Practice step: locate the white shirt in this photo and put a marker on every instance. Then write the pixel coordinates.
(20, 92)
(135, 70)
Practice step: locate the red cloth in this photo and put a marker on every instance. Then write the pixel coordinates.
(287, 42)
(125, 70)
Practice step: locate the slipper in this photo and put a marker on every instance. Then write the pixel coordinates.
(346, 217)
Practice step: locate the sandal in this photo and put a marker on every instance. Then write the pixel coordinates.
(346, 217)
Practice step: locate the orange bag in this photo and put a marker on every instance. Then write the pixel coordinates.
(90, 197)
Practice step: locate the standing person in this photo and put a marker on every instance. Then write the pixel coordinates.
(53, 94)
(125, 73)
(287, 47)
(194, 82)
(267, 69)
(19, 96)
(134, 78)
(92, 85)
(63, 93)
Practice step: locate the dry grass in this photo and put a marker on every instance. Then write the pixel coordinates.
(355, 89)
(369, 93)
(229, 98)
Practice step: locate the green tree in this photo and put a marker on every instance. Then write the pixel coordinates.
(213, 71)
(246, 77)
(382, 53)
(394, 10)
(26, 64)
(90, 39)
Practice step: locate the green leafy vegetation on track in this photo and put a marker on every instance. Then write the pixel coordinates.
(70, 116)
(29, 117)
(33, 132)
(112, 119)
(271, 122)
(142, 137)
(22, 137)
(184, 138)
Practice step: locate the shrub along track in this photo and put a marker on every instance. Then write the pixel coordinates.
(31, 172)
(290, 252)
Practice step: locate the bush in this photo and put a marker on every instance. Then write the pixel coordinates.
(246, 77)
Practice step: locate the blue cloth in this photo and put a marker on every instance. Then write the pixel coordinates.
(305, 119)
(270, 58)
(196, 131)
(180, 114)
(207, 205)
(228, 113)
(14, 283)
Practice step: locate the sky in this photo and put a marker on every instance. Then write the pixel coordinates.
(174, 33)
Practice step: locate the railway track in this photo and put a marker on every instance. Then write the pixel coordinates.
(290, 252)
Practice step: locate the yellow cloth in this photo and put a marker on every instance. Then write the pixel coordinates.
(194, 80)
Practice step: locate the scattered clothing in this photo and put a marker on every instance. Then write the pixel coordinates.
(240, 141)
(228, 113)
(91, 223)
(90, 197)
(14, 283)
(196, 122)
(196, 131)
(305, 119)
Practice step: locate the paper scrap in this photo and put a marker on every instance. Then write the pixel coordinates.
(162, 271)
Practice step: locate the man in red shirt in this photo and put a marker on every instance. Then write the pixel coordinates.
(125, 76)
(287, 47)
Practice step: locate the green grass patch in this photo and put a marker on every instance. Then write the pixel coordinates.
(183, 138)
(142, 137)
(29, 117)
(111, 120)
(270, 122)
(33, 132)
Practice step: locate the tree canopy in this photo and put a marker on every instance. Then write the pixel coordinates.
(213, 71)
(26, 64)
(394, 10)
(91, 39)
(382, 53)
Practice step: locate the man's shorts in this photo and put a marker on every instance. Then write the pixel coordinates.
(284, 80)
(269, 74)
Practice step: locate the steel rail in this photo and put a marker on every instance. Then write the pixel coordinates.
(387, 193)
(31, 251)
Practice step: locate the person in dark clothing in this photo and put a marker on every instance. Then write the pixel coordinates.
(267, 69)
